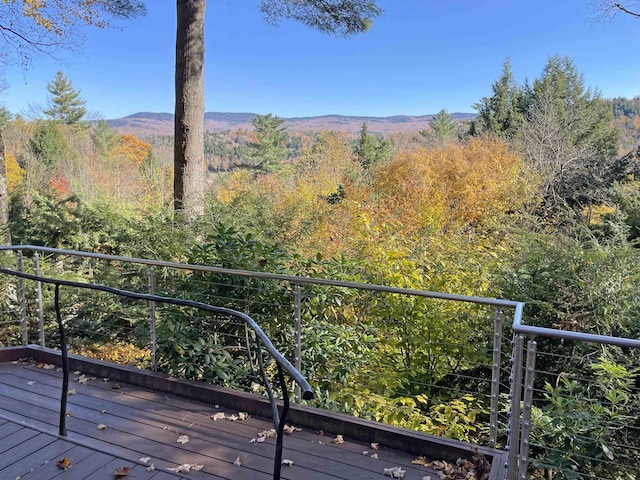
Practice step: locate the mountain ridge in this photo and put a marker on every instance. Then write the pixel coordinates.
(161, 123)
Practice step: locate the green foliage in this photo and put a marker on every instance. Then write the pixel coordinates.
(336, 17)
(66, 105)
(270, 150)
(580, 425)
(49, 144)
(104, 139)
(625, 107)
(370, 149)
(501, 113)
(443, 126)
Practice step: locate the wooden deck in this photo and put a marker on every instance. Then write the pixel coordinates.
(141, 423)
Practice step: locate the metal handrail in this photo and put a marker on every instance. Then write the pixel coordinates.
(273, 276)
(279, 418)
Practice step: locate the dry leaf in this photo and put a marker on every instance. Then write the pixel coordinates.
(102, 426)
(421, 461)
(253, 440)
(232, 418)
(145, 459)
(77, 372)
(32, 382)
(236, 462)
(290, 429)
(105, 380)
(184, 468)
(116, 386)
(287, 462)
(366, 452)
(64, 463)
(375, 446)
(242, 416)
(71, 392)
(151, 468)
(103, 411)
(217, 416)
(375, 456)
(338, 440)
(59, 369)
(48, 366)
(122, 471)
(83, 379)
(40, 365)
(182, 439)
(195, 467)
(68, 413)
(394, 472)
(426, 478)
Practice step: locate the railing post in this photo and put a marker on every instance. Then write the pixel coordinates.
(495, 378)
(526, 412)
(151, 285)
(23, 303)
(515, 395)
(297, 360)
(39, 309)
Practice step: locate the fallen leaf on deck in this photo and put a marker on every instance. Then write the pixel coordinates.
(122, 471)
(338, 440)
(105, 380)
(287, 462)
(32, 382)
(71, 392)
(68, 413)
(77, 372)
(102, 426)
(59, 369)
(116, 386)
(103, 411)
(232, 418)
(184, 468)
(83, 379)
(290, 429)
(182, 439)
(420, 461)
(428, 477)
(375, 446)
(151, 468)
(145, 459)
(40, 365)
(375, 456)
(217, 416)
(64, 463)
(394, 472)
(242, 416)
(48, 366)
(196, 467)
(366, 452)
(236, 462)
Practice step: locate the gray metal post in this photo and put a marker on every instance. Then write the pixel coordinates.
(151, 285)
(515, 394)
(23, 304)
(39, 308)
(297, 360)
(526, 411)
(495, 378)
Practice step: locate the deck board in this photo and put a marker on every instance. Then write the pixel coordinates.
(142, 423)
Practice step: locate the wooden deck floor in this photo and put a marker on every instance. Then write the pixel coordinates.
(143, 423)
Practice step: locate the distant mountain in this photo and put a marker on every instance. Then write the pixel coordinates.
(148, 123)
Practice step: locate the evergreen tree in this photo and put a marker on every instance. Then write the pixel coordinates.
(502, 112)
(48, 143)
(66, 106)
(443, 126)
(371, 149)
(270, 149)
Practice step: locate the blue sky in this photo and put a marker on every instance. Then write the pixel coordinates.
(419, 57)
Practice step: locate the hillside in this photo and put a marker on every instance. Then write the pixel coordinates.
(147, 123)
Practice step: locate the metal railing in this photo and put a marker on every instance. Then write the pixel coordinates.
(261, 340)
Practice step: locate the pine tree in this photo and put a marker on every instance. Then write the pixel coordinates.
(66, 106)
(270, 149)
(443, 126)
(371, 149)
(502, 112)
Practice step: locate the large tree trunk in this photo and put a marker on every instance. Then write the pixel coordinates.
(188, 178)
(5, 234)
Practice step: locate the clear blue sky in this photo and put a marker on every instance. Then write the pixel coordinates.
(419, 57)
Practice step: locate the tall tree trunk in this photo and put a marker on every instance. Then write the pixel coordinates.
(188, 177)
(5, 234)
